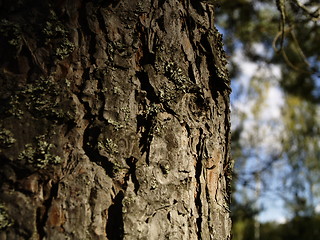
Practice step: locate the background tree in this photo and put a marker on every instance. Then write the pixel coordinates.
(275, 44)
(114, 121)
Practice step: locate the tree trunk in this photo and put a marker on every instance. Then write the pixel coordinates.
(114, 121)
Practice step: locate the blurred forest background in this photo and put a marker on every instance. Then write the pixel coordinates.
(274, 54)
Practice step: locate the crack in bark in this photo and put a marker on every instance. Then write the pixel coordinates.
(146, 135)
(132, 171)
(102, 99)
(41, 218)
(115, 227)
(86, 26)
(90, 139)
(198, 168)
(146, 86)
(208, 217)
(39, 222)
(146, 121)
(227, 165)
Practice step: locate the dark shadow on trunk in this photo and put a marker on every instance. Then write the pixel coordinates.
(114, 227)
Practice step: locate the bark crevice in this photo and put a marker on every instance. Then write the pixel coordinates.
(132, 161)
(43, 212)
(114, 227)
(199, 171)
(90, 143)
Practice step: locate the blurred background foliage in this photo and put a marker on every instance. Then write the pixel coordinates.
(273, 48)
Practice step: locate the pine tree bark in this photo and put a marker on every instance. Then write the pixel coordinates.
(114, 121)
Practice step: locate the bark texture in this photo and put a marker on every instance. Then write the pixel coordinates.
(114, 121)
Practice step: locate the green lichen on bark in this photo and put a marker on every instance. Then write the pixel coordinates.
(175, 74)
(39, 155)
(5, 220)
(115, 124)
(57, 35)
(64, 49)
(149, 116)
(108, 145)
(179, 83)
(151, 111)
(6, 138)
(14, 108)
(11, 32)
(41, 99)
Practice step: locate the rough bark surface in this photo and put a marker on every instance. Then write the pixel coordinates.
(114, 121)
